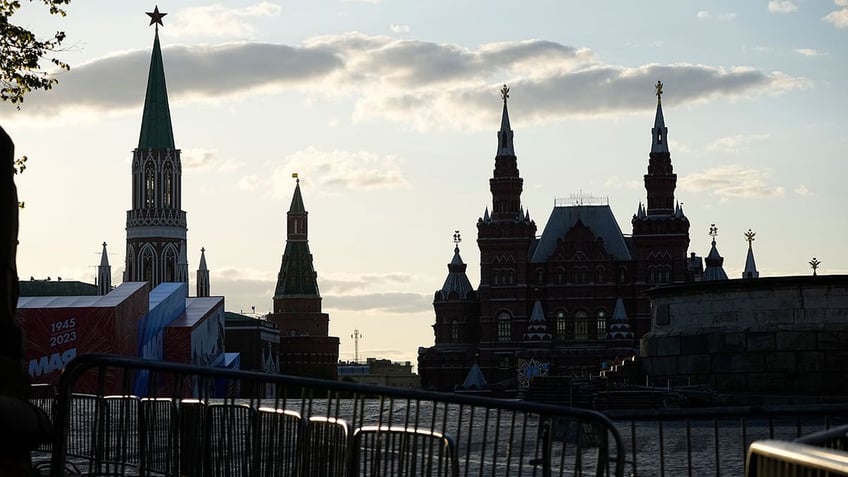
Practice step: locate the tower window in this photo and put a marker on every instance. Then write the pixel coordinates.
(581, 326)
(504, 331)
(561, 325)
(601, 325)
(454, 331)
(149, 185)
(167, 187)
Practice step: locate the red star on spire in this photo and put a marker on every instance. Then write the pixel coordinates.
(156, 17)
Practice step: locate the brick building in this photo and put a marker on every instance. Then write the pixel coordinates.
(566, 301)
(306, 349)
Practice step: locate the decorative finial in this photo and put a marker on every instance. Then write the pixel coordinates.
(659, 93)
(294, 176)
(156, 17)
(505, 93)
(104, 244)
(749, 236)
(202, 249)
(814, 263)
(457, 237)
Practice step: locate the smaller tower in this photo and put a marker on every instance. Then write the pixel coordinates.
(750, 265)
(715, 262)
(306, 349)
(202, 276)
(104, 273)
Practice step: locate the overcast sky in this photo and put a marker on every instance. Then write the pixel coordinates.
(388, 110)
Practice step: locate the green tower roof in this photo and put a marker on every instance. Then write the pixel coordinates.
(156, 130)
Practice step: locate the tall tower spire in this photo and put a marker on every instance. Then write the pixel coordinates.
(660, 228)
(156, 225)
(506, 185)
(297, 277)
(202, 275)
(104, 273)
(660, 181)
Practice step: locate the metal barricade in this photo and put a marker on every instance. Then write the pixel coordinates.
(215, 425)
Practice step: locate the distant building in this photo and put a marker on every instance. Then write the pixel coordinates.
(131, 320)
(58, 287)
(545, 304)
(306, 349)
(257, 340)
(381, 372)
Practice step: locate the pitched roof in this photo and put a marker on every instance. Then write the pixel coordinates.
(457, 281)
(598, 218)
(156, 130)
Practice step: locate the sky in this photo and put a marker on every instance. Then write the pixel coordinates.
(388, 111)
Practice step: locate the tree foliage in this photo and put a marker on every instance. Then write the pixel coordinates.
(21, 52)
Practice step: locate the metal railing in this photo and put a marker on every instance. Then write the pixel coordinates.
(713, 441)
(817, 454)
(198, 422)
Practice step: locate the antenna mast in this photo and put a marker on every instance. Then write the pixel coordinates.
(356, 335)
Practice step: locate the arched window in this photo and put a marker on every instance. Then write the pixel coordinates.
(561, 326)
(560, 275)
(147, 262)
(600, 275)
(601, 325)
(581, 326)
(540, 276)
(149, 185)
(504, 328)
(169, 262)
(167, 186)
(454, 331)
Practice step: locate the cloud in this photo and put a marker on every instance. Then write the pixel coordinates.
(731, 181)
(803, 191)
(422, 84)
(781, 6)
(399, 28)
(219, 21)
(838, 18)
(735, 143)
(392, 302)
(707, 15)
(202, 159)
(346, 284)
(331, 169)
(810, 52)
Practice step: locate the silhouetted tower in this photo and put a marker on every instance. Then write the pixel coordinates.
(504, 238)
(104, 273)
(715, 262)
(660, 230)
(305, 345)
(203, 275)
(456, 305)
(156, 224)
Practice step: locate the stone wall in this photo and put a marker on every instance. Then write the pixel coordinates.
(786, 335)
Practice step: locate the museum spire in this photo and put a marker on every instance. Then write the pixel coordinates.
(505, 134)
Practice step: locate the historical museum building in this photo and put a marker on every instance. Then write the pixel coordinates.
(564, 302)
(306, 349)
